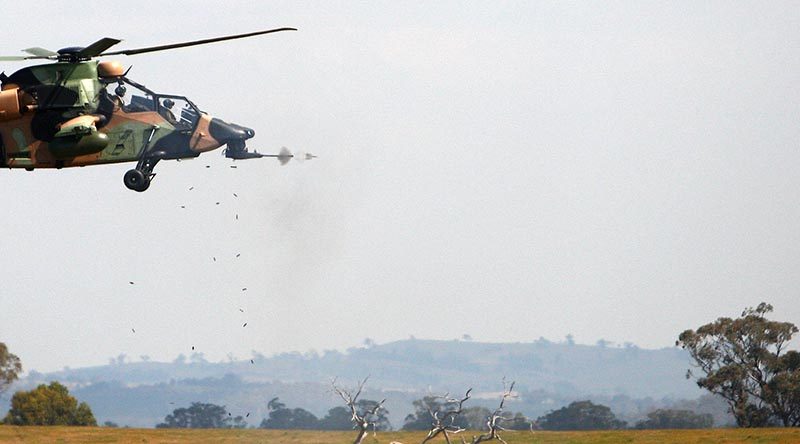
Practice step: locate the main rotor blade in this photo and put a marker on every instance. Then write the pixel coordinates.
(20, 58)
(97, 47)
(40, 52)
(193, 43)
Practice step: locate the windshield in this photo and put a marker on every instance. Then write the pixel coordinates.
(178, 111)
(135, 98)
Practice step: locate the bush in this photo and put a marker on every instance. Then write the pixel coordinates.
(48, 405)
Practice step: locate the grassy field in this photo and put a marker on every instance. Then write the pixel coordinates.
(10, 434)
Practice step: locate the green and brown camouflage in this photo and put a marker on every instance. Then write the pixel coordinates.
(66, 117)
(78, 112)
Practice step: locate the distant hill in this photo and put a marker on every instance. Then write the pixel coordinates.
(548, 376)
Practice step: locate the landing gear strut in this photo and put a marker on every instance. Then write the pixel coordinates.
(138, 179)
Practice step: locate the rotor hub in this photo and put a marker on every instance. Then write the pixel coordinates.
(71, 54)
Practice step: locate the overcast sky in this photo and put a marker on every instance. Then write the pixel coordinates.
(509, 170)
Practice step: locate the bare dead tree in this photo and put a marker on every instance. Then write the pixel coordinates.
(444, 418)
(362, 420)
(494, 420)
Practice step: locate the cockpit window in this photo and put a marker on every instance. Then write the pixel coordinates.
(133, 101)
(178, 111)
(133, 98)
(139, 104)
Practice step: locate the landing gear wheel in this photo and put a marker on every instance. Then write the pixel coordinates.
(136, 180)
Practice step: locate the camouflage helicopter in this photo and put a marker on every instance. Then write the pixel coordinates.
(75, 112)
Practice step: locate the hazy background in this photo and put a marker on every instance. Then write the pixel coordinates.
(617, 170)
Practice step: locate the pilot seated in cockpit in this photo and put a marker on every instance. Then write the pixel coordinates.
(111, 103)
(166, 111)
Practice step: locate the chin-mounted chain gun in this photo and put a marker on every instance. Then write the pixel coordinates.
(238, 150)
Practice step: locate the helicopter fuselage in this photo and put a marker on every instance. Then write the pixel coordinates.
(65, 115)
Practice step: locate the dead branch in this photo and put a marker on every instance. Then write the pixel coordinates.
(362, 421)
(494, 420)
(444, 420)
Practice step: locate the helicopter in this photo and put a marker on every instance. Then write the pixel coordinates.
(76, 112)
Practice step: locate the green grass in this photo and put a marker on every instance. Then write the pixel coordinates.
(9, 434)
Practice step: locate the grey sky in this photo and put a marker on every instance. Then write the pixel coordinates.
(617, 170)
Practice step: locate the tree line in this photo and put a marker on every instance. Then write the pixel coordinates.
(744, 361)
(53, 405)
(579, 415)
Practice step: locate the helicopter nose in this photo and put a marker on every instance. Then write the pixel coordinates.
(225, 132)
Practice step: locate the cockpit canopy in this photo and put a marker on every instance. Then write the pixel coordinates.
(132, 97)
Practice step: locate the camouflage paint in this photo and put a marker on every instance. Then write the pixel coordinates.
(202, 140)
(60, 122)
